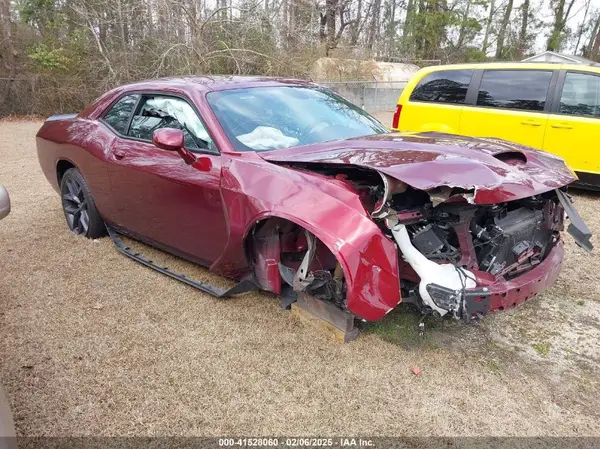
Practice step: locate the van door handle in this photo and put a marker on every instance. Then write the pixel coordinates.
(119, 154)
(561, 126)
(531, 123)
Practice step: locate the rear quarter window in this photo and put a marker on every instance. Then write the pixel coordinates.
(119, 113)
(514, 89)
(446, 86)
(580, 95)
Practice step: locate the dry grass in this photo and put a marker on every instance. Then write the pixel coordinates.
(93, 344)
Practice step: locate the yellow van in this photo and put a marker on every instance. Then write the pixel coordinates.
(552, 107)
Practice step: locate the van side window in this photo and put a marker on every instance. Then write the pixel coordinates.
(514, 89)
(446, 86)
(581, 95)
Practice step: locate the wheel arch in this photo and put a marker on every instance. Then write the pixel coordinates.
(271, 220)
(369, 265)
(62, 165)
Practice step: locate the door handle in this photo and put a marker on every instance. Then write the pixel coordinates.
(119, 154)
(561, 126)
(531, 123)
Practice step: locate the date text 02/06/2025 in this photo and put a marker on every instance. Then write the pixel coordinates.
(296, 442)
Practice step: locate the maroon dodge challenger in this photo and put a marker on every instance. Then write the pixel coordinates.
(287, 187)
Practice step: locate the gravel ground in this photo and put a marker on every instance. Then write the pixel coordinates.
(92, 343)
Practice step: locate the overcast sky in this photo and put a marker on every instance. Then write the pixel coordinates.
(575, 20)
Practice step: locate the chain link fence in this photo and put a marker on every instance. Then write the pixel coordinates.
(44, 96)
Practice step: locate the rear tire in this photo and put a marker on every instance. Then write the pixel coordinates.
(78, 205)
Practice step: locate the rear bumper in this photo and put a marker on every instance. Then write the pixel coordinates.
(503, 295)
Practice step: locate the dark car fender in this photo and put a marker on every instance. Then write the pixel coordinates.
(253, 190)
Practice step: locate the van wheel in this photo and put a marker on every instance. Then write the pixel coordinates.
(79, 207)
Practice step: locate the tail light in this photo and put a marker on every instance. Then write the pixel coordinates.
(396, 119)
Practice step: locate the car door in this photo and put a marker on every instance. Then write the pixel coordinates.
(435, 103)
(574, 124)
(159, 197)
(511, 105)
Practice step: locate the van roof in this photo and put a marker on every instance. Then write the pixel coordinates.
(513, 66)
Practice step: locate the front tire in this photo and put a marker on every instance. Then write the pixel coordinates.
(78, 205)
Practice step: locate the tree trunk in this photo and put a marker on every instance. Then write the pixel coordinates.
(356, 26)
(419, 40)
(593, 36)
(595, 52)
(523, 31)
(222, 5)
(410, 14)
(488, 28)
(392, 27)
(503, 26)
(330, 6)
(292, 13)
(374, 25)
(121, 24)
(582, 25)
(285, 19)
(560, 21)
(9, 57)
(463, 22)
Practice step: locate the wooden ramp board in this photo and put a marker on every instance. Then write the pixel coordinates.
(324, 315)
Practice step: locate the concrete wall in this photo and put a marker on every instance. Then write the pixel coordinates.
(372, 96)
(384, 117)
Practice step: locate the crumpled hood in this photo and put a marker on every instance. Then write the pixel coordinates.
(494, 169)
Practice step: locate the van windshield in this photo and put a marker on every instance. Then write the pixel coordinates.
(271, 118)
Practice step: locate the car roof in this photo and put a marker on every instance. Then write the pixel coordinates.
(513, 66)
(214, 82)
(188, 85)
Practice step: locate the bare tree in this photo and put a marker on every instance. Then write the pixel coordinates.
(593, 48)
(78, 48)
(10, 54)
(374, 24)
(523, 31)
(463, 24)
(562, 11)
(584, 25)
(503, 27)
(488, 26)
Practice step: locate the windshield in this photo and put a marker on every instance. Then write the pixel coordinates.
(271, 118)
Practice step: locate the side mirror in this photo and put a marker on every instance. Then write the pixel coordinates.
(172, 139)
(169, 139)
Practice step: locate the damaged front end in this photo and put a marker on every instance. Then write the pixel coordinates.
(468, 225)
(465, 259)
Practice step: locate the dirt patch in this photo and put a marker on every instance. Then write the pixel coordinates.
(92, 343)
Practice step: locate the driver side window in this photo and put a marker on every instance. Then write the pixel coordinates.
(156, 112)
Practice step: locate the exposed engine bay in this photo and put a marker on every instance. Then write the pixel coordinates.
(450, 250)
(468, 245)
(500, 239)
